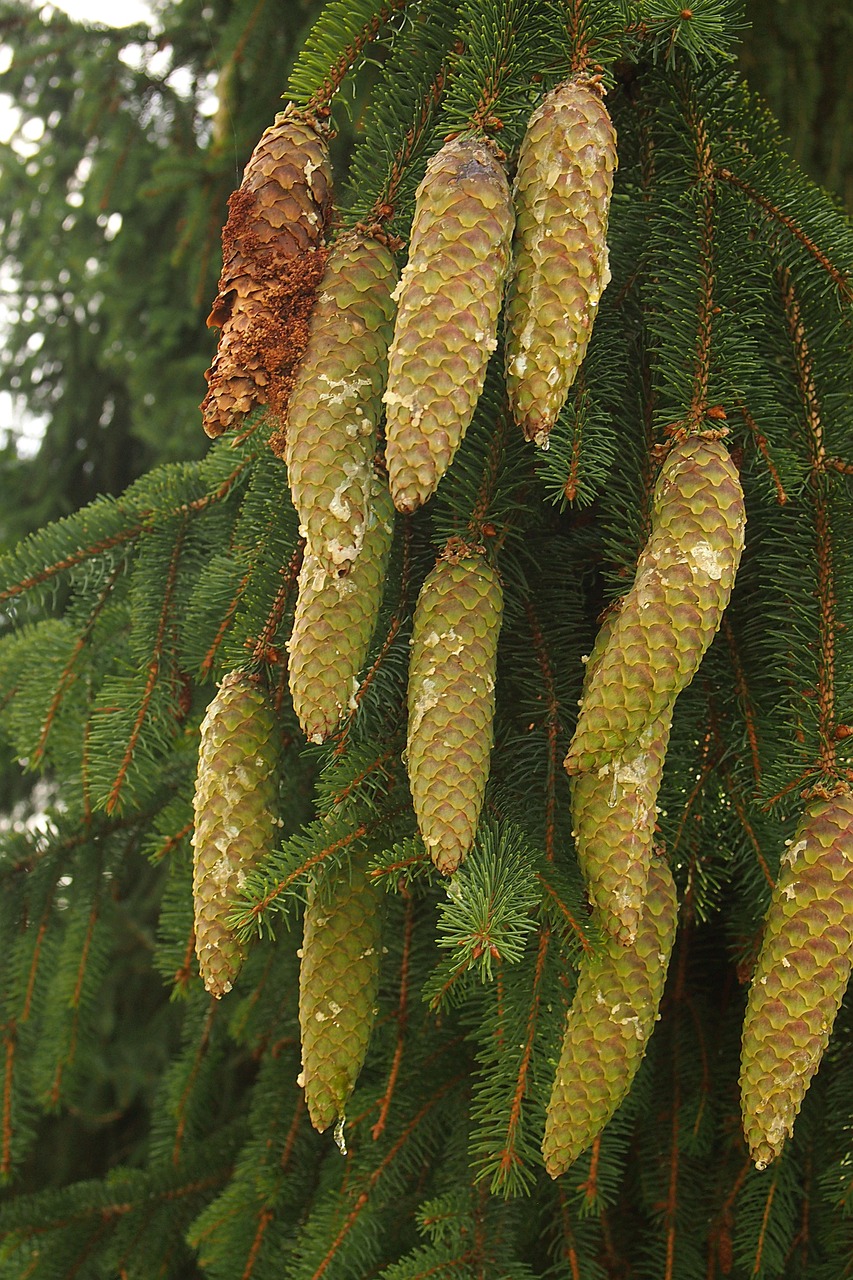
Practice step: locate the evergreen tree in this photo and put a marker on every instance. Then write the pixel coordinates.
(513, 1066)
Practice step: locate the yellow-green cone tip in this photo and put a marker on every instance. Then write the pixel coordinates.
(800, 977)
(451, 701)
(612, 1016)
(560, 269)
(235, 818)
(338, 981)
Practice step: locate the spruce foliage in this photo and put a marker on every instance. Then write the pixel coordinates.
(729, 313)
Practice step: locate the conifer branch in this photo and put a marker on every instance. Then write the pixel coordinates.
(385, 205)
(704, 329)
(757, 1267)
(181, 1109)
(363, 1198)
(840, 279)
(67, 673)
(262, 645)
(402, 1017)
(210, 657)
(763, 448)
(507, 1162)
(319, 102)
(557, 902)
(552, 726)
(743, 818)
(10, 1037)
(154, 665)
(745, 700)
(826, 762)
(66, 1061)
(568, 1251)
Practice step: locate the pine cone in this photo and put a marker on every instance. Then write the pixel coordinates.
(270, 271)
(338, 982)
(562, 194)
(235, 807)
(800, 977)
(669, 617)
(334, 621)
(451, 703)
(614, 811)
(336, 404)
(612, 1016)
(449, 302)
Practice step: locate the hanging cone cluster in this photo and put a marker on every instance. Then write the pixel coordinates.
(334, 621)
(336, 403)
(801, 975)
(451, 700)
(609, 1023)
(449, 302)
(669, 617)
(562, 195)
(235, 806)
(338, 982)
(270, 271)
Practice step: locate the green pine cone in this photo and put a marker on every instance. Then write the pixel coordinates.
(452, 702)
(338, 981)
(235, 805)
(449, 302)
(669, 617)
(333, 624)
(612, 1016)
(336, 404)
(562, 194)
(800, 977)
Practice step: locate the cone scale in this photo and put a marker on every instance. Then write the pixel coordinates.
(562, 195)
(451, 699)
(449, 301)
(801, 975)
(336, 404)
(670, 615)
(609, 1024)
(235, 818)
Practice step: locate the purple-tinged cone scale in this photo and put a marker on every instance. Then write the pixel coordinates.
(800, 977)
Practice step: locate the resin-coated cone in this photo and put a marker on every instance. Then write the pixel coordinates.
(562, 194)
(235, 818)
(451, 700)
(338, 980)
(336, 404)
(800, 977)
(449, 302)
(684, 578)
(612, 1016)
